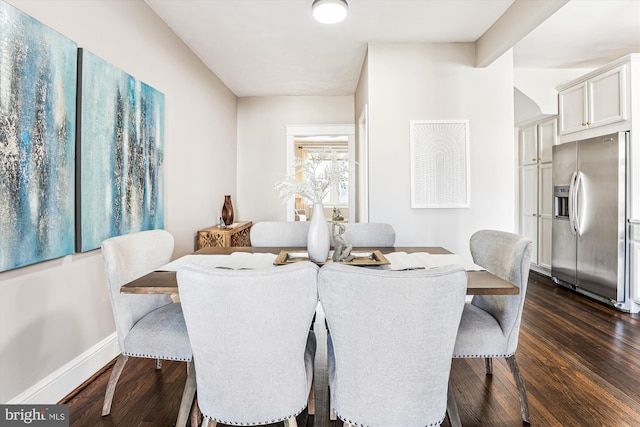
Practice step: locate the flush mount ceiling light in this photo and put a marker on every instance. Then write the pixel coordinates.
(329, 11)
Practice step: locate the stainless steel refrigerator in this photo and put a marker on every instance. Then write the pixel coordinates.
(589, 226)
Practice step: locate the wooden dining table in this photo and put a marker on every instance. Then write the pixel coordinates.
(165, 282)
(478, 283)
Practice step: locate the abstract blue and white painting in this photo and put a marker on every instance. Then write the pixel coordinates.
(37, 140)
(121, 153)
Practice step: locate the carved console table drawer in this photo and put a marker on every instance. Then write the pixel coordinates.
(236, 234)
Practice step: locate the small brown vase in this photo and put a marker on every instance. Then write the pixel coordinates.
(227, 211)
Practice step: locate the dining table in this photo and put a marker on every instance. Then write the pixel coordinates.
(479, 282)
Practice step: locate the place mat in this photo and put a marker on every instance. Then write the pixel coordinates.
(420, 260)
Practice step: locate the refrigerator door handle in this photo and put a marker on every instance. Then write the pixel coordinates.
(572, 203)
(578, 189)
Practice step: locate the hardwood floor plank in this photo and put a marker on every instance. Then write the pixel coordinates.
(579, 360)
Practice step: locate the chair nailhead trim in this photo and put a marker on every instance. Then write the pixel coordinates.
(149, 356)
(460, 356)
(364, 425)
(236, 423)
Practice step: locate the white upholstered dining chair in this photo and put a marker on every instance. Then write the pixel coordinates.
(369, 234)
(294, 234)
(490, 324)
(390, 341)
(279, 234)
(150, 326)
(253, 351)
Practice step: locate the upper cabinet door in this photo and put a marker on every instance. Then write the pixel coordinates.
(608, 97)
(547, 138)
(599, 101)
(529, 145)
(572, 109)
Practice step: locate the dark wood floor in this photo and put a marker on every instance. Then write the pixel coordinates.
(580, 361)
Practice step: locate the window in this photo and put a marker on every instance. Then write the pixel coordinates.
(326, 159)
(339, 193)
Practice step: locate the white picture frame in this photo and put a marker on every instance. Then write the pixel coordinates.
(440, 164)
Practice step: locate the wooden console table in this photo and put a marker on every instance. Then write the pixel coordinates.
(236, 235)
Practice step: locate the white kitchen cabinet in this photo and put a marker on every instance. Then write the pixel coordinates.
(529, 145)
(536, 190)
(634, 264)
(537, 140)
(599, 100)
(545, 215)
(547, 138)
(529, 206)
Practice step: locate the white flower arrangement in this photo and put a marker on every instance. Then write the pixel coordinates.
(315, 181)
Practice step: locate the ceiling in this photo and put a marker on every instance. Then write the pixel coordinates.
(274, 47)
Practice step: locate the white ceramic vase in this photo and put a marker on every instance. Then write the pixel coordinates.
(318, 238)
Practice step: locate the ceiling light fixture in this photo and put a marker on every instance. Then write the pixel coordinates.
(329, 11)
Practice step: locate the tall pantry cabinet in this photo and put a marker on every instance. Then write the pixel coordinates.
(536, 140)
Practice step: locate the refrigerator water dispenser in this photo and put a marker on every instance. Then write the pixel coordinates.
(561, 202)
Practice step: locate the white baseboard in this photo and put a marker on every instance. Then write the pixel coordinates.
(63, 381)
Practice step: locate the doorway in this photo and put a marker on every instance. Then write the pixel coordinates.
(336, 139)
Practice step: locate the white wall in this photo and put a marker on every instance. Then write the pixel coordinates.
(362, 91)
(53, 312)
(361, 154)
(439, 82)
(262, 146)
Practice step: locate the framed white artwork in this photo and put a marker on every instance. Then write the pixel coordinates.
(440, 164)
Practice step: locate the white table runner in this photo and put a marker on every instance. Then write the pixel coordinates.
(234, 261)
(248, 260)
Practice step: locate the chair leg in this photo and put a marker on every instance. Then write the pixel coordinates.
(206, 422)
(522, 391)
(196, 420)
(332, 413)
(488, 365)
(111, 385)
(195, 413)
(452, 407)
(187, 397)
(311, 399)
(290, 422)
(158, 364)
